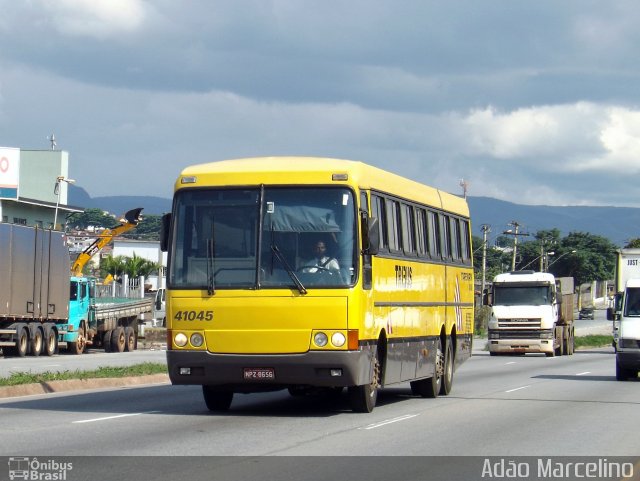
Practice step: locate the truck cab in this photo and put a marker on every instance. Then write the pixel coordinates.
(626, 317)
(526, 315)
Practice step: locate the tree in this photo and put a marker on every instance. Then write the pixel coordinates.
(633, 244)
(132, 266)
(91, 217)
(594, 258)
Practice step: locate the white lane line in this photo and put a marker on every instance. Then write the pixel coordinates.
(106, 418)
(518, 388)
(583, 373)
(512, 362)
(390, 421)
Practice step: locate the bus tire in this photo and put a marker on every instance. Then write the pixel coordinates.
(215, 399)
(130, 339)
(50, 341)
(430, 387)
(363, 398)
(36, 342)
(447, 369)
(118, 340)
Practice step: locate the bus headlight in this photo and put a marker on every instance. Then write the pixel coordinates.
(320, 339)
(180, 340)
(338, 339)
(197, 340)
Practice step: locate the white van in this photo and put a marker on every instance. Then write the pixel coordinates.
(159, 306)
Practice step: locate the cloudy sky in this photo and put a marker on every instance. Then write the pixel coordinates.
(533, 102)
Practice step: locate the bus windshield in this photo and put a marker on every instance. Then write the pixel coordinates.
(274, 237)
(521, 295)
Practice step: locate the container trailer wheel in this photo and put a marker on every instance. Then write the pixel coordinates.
(36, 342)
(50, 341)
(22, 342)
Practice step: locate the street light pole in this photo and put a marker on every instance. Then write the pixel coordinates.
(56, 191)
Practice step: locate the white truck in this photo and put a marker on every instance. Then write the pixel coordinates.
(531, 312)
(626, 314)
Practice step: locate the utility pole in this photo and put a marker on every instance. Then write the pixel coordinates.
(514, 232)
(485, 230)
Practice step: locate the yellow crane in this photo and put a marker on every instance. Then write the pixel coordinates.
(128, 222)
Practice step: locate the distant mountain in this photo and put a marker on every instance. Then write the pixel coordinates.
(618, 224)
(117, 205)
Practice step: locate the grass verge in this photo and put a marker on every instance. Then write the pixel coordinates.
(143, 369)
(593, 340)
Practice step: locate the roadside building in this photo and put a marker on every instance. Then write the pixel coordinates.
(34, 187)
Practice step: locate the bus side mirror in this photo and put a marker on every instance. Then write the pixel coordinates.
(164, 232)
(371, 235)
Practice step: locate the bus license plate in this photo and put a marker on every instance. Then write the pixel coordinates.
(259, 373)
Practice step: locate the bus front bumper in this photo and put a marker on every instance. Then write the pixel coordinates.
(254, 373)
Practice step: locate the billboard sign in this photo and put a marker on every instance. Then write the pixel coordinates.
(9, 172)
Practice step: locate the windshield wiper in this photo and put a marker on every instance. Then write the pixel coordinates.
(211, 254)
(292, 274)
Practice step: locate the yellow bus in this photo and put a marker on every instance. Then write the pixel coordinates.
(315, 274)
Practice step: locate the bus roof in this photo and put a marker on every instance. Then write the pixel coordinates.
(314, 171)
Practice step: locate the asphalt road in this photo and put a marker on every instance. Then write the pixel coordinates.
(500, 406)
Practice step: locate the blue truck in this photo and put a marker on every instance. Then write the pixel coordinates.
(44, 306)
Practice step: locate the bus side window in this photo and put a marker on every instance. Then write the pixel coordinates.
(378, 211)
(444, 236)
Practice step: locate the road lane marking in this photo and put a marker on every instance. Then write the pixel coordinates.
(106, 418)
(390, 421)
(512, 362)
(583, 373)
(518, 388)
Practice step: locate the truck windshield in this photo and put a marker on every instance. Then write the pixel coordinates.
(258, 238)
(521, 295)
(632, 302)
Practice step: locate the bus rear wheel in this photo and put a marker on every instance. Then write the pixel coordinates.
(447, 368)
(431, 386)
(217, 400)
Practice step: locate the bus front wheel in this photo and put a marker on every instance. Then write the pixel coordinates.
(363, 398)
(217, 400)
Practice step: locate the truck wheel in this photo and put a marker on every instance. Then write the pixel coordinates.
(447, 375)
(623, 374)
(430, 387)
(217, 400)
(130, 339)
(36, 342)
(78, 346)
(22, 342)
(106, 341)
(118, 340)
(50, 341)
